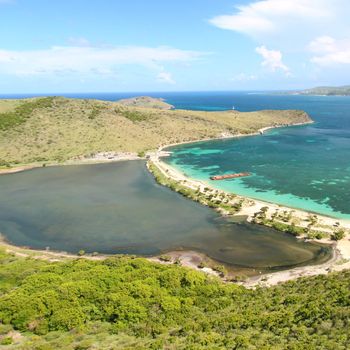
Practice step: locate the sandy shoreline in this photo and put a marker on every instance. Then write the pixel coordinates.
(186, 258)
(339, 261)
(224, 136)
(247, 210)
(101, 157)
(341, 256)
(192, 259)
(255, 204)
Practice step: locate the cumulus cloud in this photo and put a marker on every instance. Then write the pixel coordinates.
(330, 51)
(272, 60)
(264, 17)
(89, 60)
(317, 30)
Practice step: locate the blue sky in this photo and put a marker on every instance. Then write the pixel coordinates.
(154, 45)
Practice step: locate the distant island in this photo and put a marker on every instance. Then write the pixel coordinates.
(325, 91)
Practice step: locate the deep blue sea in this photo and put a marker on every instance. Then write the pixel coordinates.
(304, 167)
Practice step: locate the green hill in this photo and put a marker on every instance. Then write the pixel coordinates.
(56, 129)
(130, 303)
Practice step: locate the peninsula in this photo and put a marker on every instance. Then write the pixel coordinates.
(57, 129)
(325, 91)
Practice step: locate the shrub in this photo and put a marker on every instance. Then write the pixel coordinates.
(221, 270)
(165, 258)
(6, 341)
(338, 235)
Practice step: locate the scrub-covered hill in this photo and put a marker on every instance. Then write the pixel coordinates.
(58, 129)
(130, 303)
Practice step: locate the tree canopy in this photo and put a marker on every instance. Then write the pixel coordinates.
(131, 303)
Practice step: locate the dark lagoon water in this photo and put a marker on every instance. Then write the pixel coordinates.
(118, 208)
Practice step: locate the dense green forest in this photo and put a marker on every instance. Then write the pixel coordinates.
(131, 303)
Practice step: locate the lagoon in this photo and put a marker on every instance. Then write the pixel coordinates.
(118, 208)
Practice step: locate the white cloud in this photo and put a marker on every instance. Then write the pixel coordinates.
(272, 60)
(165, 77)
(329, 51)
(310, 29)
(322, 43)
(60, 60)
(265, 17)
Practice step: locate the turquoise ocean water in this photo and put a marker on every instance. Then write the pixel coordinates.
(305, 167)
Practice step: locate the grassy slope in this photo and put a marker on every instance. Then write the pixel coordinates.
(58, 129)
(130, 303)
(8, 105)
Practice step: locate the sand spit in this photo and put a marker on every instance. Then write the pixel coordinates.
(250, 207)
(100, 157)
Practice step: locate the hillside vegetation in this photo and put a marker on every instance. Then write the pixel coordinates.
(130, 303)
(57, 129)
